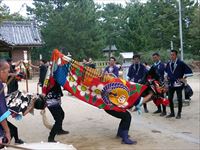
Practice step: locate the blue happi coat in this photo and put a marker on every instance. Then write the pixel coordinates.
(136, 72)
(160, 69)
(177, 70)
(4, 112)
(113, 69)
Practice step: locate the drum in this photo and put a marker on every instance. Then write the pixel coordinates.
(19, 102)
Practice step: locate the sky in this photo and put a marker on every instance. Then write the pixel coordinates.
(16, 5)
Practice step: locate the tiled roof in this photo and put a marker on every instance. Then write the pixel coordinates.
(20, 33)
(4, 40)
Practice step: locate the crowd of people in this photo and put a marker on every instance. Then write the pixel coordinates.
(174, 73)
(8, 75)
(89, 62)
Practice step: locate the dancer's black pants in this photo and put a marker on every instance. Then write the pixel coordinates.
(163, 106)
(124, 116)
(58, 115)
(179, 98)
(13, 130)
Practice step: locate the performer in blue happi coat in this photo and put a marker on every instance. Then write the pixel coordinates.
(4, 112)
(12, 87)
(160, 70)
(125, 117)
(136, 73)
(176, 71)
(112, 68)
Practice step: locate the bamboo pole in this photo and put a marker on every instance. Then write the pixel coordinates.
(26, 70)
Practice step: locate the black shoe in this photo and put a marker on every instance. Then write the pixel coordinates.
(118, 136)
(19, 141)
(163, 114)
(170, 116)
(146, 110)
(157, 111)
(178, 116)
(51, 140)
(62, 132)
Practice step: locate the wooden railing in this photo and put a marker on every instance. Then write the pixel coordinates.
(100, 65)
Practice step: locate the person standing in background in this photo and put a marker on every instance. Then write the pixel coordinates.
(136, 73)
(160, 70)
(42, 71)
(91, 64)
(12, 87)
(4, 112)
(177, 71)
(112, 68)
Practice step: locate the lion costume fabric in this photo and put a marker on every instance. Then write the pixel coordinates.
(91, 86)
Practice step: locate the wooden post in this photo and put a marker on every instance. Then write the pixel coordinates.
(26, 80)
(40, 56)
(26, 62)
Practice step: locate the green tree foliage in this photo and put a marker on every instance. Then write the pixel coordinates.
(194, 32)
(164, 23)
(44, 9)
(111, 22)
(191, 29)
(133, 29)
(5, 14)
(150, 26)
(75, 29)
(84, 28)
